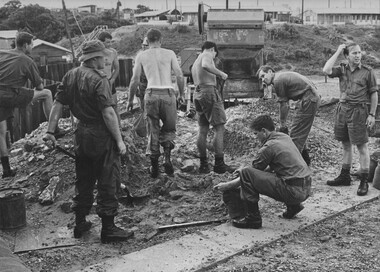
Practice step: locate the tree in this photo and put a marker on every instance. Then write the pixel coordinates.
(39, 21)
(9, 8)
(141, 9)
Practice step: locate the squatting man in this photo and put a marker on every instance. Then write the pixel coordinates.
(278, 171)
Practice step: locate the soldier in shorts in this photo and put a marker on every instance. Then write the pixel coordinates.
(358, 86)
(16, 67)
(209, 106)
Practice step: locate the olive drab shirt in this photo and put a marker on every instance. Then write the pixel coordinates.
(16, 68)
(87, 91)
(282, 156)
(291, 85)
(355, 86)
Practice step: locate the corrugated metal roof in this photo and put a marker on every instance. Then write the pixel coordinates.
(8, 34)
(151, 13)
(38, 42)
(347, 11)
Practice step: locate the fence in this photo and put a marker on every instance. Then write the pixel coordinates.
(27, 119)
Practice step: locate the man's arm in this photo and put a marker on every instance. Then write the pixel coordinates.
(209, 65)
(370, 122)
(115, 69)
(110, 118)
(134, 82)
(180, 81)
(284, 111)
(327, 69)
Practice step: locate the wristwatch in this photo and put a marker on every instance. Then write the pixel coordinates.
(372, 114)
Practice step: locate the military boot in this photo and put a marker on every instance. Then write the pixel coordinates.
(203, 167)
(363, 186)
(292, 210)
(81, 225)
(111, 233)
(252, 220)
(9, 173)
(167, 161)
(220, 167)
(344, 179)
(154, 170)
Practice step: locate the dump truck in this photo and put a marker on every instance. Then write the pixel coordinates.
(239, 35)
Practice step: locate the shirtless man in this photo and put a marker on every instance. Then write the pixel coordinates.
(160, 100)
(209, 106)
(111, 65)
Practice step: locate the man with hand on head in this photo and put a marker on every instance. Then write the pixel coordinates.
(353, 119)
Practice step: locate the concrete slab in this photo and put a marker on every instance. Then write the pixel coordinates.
(196, 252)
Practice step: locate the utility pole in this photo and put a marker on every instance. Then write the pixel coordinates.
(226, 4)
(239, 5)
(68, 31)
(167, 4)
(302, 12)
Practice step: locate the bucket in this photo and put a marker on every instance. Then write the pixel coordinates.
(12, 208)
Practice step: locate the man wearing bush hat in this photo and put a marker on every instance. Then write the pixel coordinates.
(98, 141)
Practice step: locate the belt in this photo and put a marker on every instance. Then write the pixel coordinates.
(353, 104)
(299, 182)
(93, 125)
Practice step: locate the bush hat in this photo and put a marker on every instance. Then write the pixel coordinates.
(92, 49)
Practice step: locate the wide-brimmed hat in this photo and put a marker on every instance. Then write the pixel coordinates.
(92, 49)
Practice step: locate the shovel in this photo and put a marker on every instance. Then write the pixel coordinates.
(129, 199)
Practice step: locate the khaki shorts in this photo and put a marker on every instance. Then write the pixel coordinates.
(350, 123)
(11, 98)
(209, 106)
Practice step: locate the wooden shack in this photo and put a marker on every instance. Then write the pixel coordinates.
(45, 53)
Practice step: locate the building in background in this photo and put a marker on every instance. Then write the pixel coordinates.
(7, 37)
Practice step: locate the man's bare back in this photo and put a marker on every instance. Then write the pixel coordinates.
(158, 64)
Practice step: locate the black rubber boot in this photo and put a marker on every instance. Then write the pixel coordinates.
(234, 203)
(292, 210)
(220, 167)
(110, 233)
(344, 179)
(7, 170)
(81, 225)
(167, 161)
(363, 186)
(9, 173)
(253, 218)
(154, 171)
(203, 167)
(305, 156)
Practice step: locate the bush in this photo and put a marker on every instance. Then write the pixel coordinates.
(181, 29)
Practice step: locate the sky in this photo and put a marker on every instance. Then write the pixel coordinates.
(188, 4)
